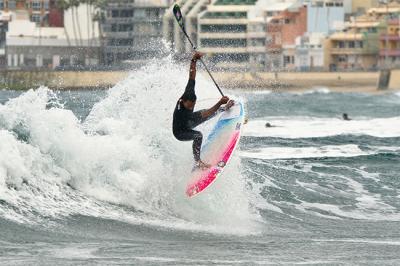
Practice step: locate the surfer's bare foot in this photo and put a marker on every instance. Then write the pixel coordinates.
(202, 165)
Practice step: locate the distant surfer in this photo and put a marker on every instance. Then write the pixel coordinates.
(346, 117)
(185, 119)
(268, 125)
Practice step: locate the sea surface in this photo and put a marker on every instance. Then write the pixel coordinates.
(96, 178)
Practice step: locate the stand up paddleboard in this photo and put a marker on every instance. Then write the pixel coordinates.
(217, 149)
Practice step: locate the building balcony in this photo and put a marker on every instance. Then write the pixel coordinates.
(257, 34)
(112, 34)
(384, 52)
(350, 51)
(385, 37)
(133, 4)
(273, 46)
(219, 35)
(222, 21)
(394, 22)
(220, 50)
(131, 20)
(256, 49)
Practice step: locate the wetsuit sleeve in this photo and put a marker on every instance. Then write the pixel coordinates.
(190, 85)
(189, 90)
(196, 119)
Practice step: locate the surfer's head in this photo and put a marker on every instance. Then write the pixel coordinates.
(189, 99)
(189, 104)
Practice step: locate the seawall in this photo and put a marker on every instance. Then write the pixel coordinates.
(262, 80)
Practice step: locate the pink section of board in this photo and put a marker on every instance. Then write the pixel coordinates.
(206, 177)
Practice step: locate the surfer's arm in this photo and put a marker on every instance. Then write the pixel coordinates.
(192, 71)
(209, 112)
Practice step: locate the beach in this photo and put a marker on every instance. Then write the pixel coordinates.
(365, 82)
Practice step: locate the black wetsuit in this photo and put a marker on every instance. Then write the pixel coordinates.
(185, 120)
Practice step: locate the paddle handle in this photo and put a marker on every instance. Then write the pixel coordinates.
(179, 19)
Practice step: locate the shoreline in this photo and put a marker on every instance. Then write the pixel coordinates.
(358, 82)
(356, 89)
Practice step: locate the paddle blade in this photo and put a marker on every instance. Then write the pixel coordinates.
(178, 15)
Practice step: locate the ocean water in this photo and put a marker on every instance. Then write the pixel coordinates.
(96, 177)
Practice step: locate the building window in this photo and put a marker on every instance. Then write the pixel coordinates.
(224, 42)
(340, 44)
(342, 58)
(46, 5)
(36, 18)
(1, 4)
(12, 5)
(126, 13)
(115, 13)
(140, 13)
(288, 59)
(223, 28)
(352, 44)
(125, 27)
(35, 5)
(120, 42)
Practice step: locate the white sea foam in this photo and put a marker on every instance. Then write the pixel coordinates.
(123, 154)
(321, 90)
(310, 127)
(366, 241)
(349, 150)
(368, 205)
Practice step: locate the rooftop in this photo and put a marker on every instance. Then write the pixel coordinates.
(383, 10)
(346, 36)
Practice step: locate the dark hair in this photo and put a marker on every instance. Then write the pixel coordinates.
(189, 96)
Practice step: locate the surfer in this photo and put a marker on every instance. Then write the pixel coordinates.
(184, 119)
(346, 117)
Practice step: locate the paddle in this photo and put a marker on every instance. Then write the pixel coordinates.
(179, 19)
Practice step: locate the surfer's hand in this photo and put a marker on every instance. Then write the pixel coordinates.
(224, 100)
(229, 104)
(197, 56)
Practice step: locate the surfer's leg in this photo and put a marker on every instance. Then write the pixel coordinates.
(197, 140)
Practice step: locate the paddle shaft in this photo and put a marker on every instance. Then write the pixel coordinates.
(201, 60)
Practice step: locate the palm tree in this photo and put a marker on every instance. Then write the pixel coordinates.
(94, 14)
(64, 5)
(75, 18)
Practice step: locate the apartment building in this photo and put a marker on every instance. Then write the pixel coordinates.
(132, 30)
(171, 31)
(326, 16)
(309, 52)
(222, 33)
(282, 31)
(5, 18)
(355, 48)
(389, 44)
(31, 46)
(360, 7)
(43, 12)
(234, 33)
